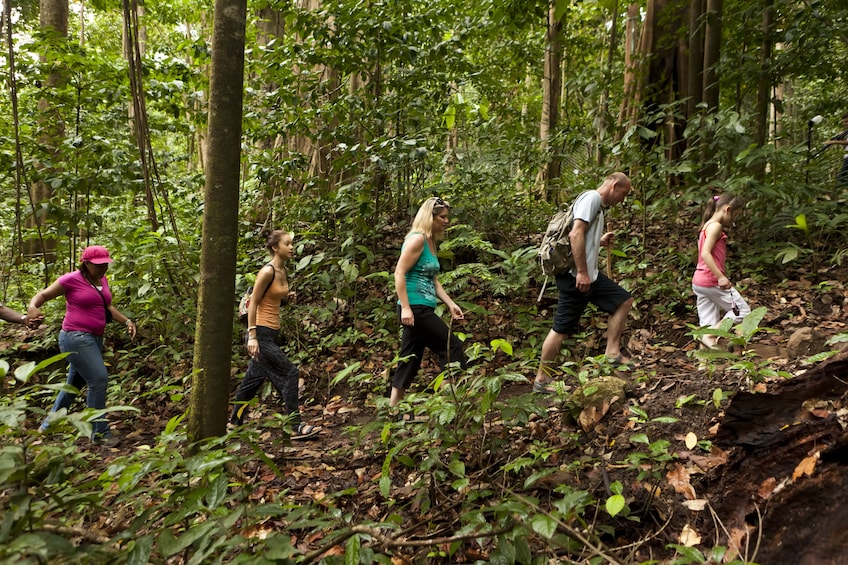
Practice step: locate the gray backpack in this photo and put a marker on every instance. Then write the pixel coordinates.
(555, 251)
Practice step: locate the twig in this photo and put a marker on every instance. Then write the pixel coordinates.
(91, 535)
(399, 541)
(599, 549)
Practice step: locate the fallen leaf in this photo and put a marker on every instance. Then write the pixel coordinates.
(767, 488)
(591, 415)
(689, 537)
(695, 505)
(820, 412)
(806, 466)
(691, 440)
(678, 479)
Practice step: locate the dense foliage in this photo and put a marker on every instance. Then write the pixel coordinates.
(356, 110)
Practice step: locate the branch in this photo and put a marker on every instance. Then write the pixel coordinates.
(400, 541)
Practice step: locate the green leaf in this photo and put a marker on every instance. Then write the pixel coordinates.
(560, 9)
(684, 400)
(615, 504)
(353, 550)
(217, 491)
(503, 345)
(25, 371)
(140, 552)
(457, 467)
(173, 423)
(718, 396)
(543, 525)
(343, 374)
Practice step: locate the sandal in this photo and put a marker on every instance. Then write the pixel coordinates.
(618, 362)
(544, 388)
(305, 431)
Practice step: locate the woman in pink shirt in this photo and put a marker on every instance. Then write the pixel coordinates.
(88, 308)
(715, 293)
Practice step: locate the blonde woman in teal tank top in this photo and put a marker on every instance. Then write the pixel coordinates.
(417, 286)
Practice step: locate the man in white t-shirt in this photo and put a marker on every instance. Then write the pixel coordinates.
(585, 283)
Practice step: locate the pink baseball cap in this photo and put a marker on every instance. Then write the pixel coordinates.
(96, 254)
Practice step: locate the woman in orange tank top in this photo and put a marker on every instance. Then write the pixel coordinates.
(267, 359)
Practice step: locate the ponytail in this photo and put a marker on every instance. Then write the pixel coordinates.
(719, 201)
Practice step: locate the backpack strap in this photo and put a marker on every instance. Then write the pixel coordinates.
(269, 264)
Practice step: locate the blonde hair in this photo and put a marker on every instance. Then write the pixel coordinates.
(423, 222)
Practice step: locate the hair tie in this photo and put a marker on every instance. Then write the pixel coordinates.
(716, 197)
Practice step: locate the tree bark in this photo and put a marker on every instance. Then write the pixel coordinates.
(632, 70)
(765, 82)
(695, 70)
(552, 88)
(712, 53)
(53, 18)
(215, 305)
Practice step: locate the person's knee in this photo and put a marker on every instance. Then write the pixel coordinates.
(626, 305)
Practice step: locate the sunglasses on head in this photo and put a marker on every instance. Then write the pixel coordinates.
(439, 203)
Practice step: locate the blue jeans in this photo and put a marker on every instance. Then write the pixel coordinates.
(86, 367)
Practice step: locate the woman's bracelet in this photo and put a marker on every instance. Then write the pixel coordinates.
(251, 338)
(251, 328)
(128, 322)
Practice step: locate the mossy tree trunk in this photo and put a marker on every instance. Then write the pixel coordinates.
(215, 305)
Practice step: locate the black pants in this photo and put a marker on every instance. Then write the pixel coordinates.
(274, 365)
(428, 332)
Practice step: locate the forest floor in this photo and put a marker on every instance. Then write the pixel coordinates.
(757, 459)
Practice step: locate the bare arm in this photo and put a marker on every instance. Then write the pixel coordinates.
(118, 316)
(577, 236)
(12, 316)
(456, 311)
(263, 280)
(37, 301)
(713, 233)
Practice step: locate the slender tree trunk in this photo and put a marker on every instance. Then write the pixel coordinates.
(603, 130)
(764, 84)
(53, 18)
(712, 53)
(215, 304)
(632, 70)
(552, 89)
(695, 70)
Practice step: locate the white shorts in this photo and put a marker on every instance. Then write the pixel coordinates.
(715, 302)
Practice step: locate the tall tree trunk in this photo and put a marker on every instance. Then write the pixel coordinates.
(765, 82)
(606, 122)
(213, 337)
(53, 18)
(632, 70)
(695, 70)
(712, 54)
(552, 89)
